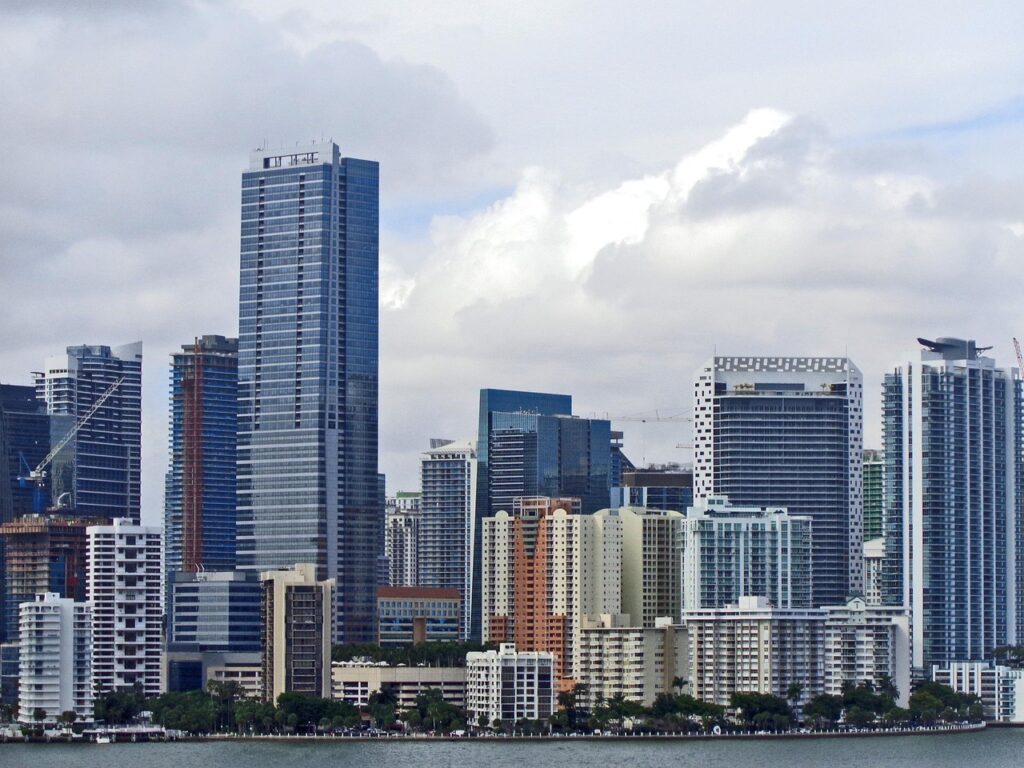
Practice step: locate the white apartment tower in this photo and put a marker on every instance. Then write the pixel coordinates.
(510, 685)
(952, 479)
(447, 521)
(56, 666)
(751, 647)
(401, 545)
(867, 643)
(729, 552)
(124, 586)
(788, 432)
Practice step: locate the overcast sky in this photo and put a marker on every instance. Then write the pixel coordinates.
(576, 197)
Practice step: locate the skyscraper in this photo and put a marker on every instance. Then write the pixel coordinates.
(447, 520)
(308, 488)
(788, 432)
(25, 441)
(953, 473)
(100, 468)
(199, 506)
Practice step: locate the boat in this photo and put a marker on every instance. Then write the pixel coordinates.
(103, 738)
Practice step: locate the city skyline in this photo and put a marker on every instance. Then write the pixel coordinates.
(634, 217)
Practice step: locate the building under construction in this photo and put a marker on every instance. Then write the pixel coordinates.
(200, 493)
(45, 553)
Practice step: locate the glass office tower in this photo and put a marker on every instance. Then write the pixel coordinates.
(952, 485)
(788, 432)
(308, 357)
(199, 502)
(99, 473)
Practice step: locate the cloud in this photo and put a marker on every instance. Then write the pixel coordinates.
(768, 240)
(127, 135)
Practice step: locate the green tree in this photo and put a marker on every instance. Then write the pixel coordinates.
(824, 709)
(750, 705)
(67, 719)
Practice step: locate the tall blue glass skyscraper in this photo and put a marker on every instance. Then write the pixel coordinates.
(952, 489)
(199, 502)
(307, 371)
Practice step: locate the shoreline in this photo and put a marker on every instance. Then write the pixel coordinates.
(552, 738)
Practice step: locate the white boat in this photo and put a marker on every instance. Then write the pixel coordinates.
(103, 738)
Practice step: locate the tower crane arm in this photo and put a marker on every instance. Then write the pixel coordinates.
(37, 473)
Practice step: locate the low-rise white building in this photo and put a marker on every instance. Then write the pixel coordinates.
(1000, 688)
(508, 685)
(638, 663)
(355, 682)
(55, 663)
(867, 643)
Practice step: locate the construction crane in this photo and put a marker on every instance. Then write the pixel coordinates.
(657, 417)
(38, 475)
(1020, 357)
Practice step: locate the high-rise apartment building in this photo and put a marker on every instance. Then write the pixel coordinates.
(199, 502)
(729, 552)
(953, 474)
(618, 658)
(308, 487)
(402, 546)
(100, 469)
(867, 644)
(545, 566)
(751, 647)
(788, 432)
(874, 465)
(125, 589)
(448, 504)
(651, 574)
(55, 659)
(296, 632)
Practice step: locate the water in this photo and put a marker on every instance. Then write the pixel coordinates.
(1003, 748)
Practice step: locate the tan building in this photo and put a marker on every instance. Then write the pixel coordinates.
(651, 569)
(751, 647)
(296, 632)
(638, 663)
(543, 568)
(355, 682)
